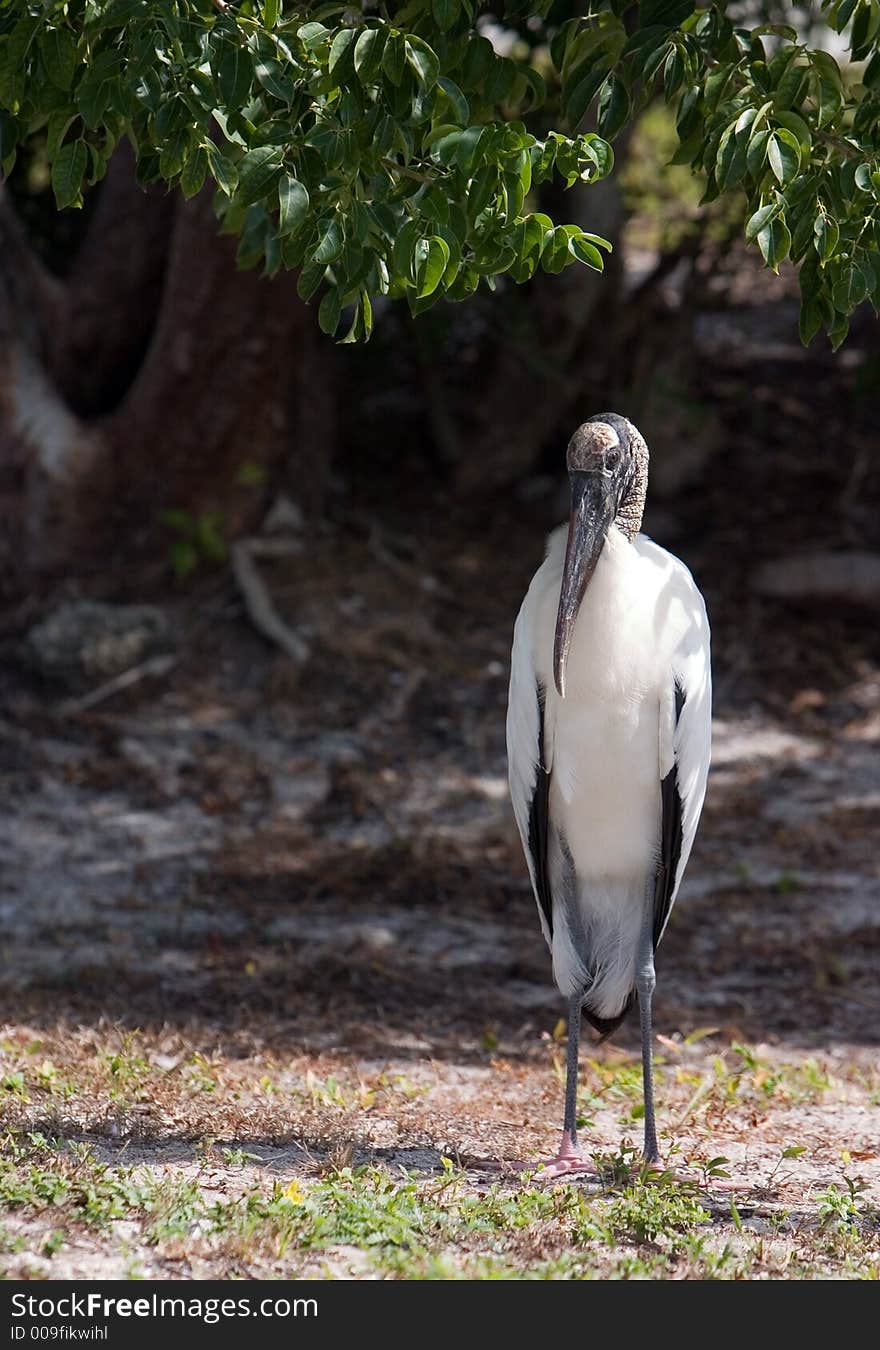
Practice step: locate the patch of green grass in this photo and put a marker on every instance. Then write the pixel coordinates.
(644, 1213)
(399, 1083)
(200, 1076)
(444, 1227)
(237, 1157)
(127, 1068)
(174, 1207)
(843, 1207)
(330, 1092)
(741, 1075)
(10, 1242)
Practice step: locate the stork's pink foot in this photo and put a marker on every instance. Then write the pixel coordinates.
(568, 1161)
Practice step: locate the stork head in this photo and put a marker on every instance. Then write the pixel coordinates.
(607, 463)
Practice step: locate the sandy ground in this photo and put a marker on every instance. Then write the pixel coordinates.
(293, 904)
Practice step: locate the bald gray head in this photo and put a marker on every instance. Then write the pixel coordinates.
(607, 463)
(610, 445)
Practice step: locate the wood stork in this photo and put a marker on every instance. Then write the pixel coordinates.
(608, 742)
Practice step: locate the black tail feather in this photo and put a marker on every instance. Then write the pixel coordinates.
(606, 1026)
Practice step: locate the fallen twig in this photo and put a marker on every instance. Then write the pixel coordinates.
(258, 602)
(155, 666)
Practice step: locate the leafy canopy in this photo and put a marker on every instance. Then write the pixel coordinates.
(390, 149)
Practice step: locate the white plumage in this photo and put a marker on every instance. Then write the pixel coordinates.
(607, 782)
(610, 742)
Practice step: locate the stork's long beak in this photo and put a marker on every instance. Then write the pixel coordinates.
(592, 510)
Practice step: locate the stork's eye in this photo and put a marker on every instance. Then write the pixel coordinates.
(612, 457)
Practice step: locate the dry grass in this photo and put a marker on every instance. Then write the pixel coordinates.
(152, 1155)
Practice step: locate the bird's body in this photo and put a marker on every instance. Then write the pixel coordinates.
(607, 779)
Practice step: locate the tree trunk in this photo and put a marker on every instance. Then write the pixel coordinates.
(147, 378)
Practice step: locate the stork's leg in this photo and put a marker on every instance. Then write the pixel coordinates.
(645, 982)
(569, 1158)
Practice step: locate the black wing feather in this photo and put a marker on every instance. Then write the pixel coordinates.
(670, 836)
(539, 823)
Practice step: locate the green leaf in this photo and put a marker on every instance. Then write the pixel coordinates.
(798, 127)
(871, 76)
(254, 235)
(431, 261)
(312, 35)
(762, 217)
(850, 289)
(58, 50)
(783, 155)
(669, 13)
(68, 170)
(827, 233)
(174, 153)
(592, 150)
(366, 316)
(183, 557)
(293, 204)
(309, 280)
(811, 318)
(92, 97)
(730, 162)
(403, 251)
(223, 171)
(8, 136)
(531, 234)
(774, 241)
(577, 100)
(270, 12)
(483, 188)
(457, 100)
(195, 171)
(468, 144)
(423, 61)
(499, 81)
(830, 85)
(555, 256)
(273, 77)
(445, 13)
(673, 74)
(234, 71)
(838, 330)
(257, 172)
(790, 89)
(843, 14)
(580, 247)
(800, 222)
(862, 178)
(329, 311)
(330, 242)
(614, 107)
(745, 122)
(864, 27)
(478, 57)
(357, 328)
(368, 54)
(342, 54)
(394, 57)
(465, 284)
(756, 155)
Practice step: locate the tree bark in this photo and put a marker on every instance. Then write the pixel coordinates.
(145, 379)
(112, 292)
